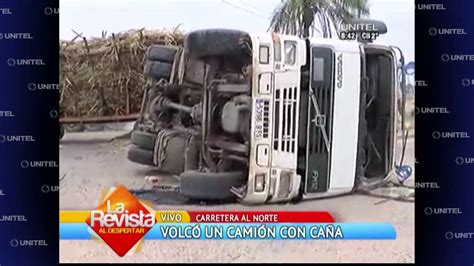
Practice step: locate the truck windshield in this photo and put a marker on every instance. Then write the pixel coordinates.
(290, 53)
(318, 69)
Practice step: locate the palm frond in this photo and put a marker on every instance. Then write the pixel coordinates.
(297, 17)
(280, 18)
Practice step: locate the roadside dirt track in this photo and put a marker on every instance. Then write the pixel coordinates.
(93, 162)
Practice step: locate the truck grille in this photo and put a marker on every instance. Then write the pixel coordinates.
(285, 120)
(324, 97)
(318, 163)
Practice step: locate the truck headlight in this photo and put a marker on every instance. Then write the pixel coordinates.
(263, 154)
(285, 184)
(259, 183)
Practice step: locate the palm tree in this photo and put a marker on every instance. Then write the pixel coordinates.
(298, 17)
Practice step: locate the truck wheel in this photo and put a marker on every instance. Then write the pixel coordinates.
(61, 132)
(210, 186)
(215, 42)
(140, 156)
(136, 126)
(94, 127)
(74, 127)
(191, 154)
(161, 53)
(143, 140)
(157, 70)
(173, 162)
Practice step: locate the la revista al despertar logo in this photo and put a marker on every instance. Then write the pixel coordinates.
(121, 220)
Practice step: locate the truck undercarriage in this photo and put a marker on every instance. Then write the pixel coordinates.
(202, 110)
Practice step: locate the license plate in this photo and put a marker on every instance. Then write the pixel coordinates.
(258, 131)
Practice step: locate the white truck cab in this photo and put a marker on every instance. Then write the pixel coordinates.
(306, 118)
(269, 118)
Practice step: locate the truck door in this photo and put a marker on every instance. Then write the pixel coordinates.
(383, 74)
(332, 122)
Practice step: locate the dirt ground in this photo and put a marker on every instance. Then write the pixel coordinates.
(93, 161)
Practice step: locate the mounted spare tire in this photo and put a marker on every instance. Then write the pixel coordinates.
(210, 186)
(158, 70)
(215, 42)
(161, 53)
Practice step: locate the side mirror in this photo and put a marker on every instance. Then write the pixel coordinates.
(403, 172)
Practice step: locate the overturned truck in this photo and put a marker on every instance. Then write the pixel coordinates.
(269, 118)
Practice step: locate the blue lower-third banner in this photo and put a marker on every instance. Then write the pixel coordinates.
(248, 231)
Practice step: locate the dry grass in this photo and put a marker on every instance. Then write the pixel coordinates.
(104, 76)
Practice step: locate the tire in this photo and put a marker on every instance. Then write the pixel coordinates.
(74, 127)
(143, 140)
(140, 156)
(215, 42)
(173, 162)
(161, 53)
(136, 126)
(158, 70)
(94, 127)
(191, 154)
(210, 186)
(61, 132)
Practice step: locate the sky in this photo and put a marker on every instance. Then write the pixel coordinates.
(92, 17)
